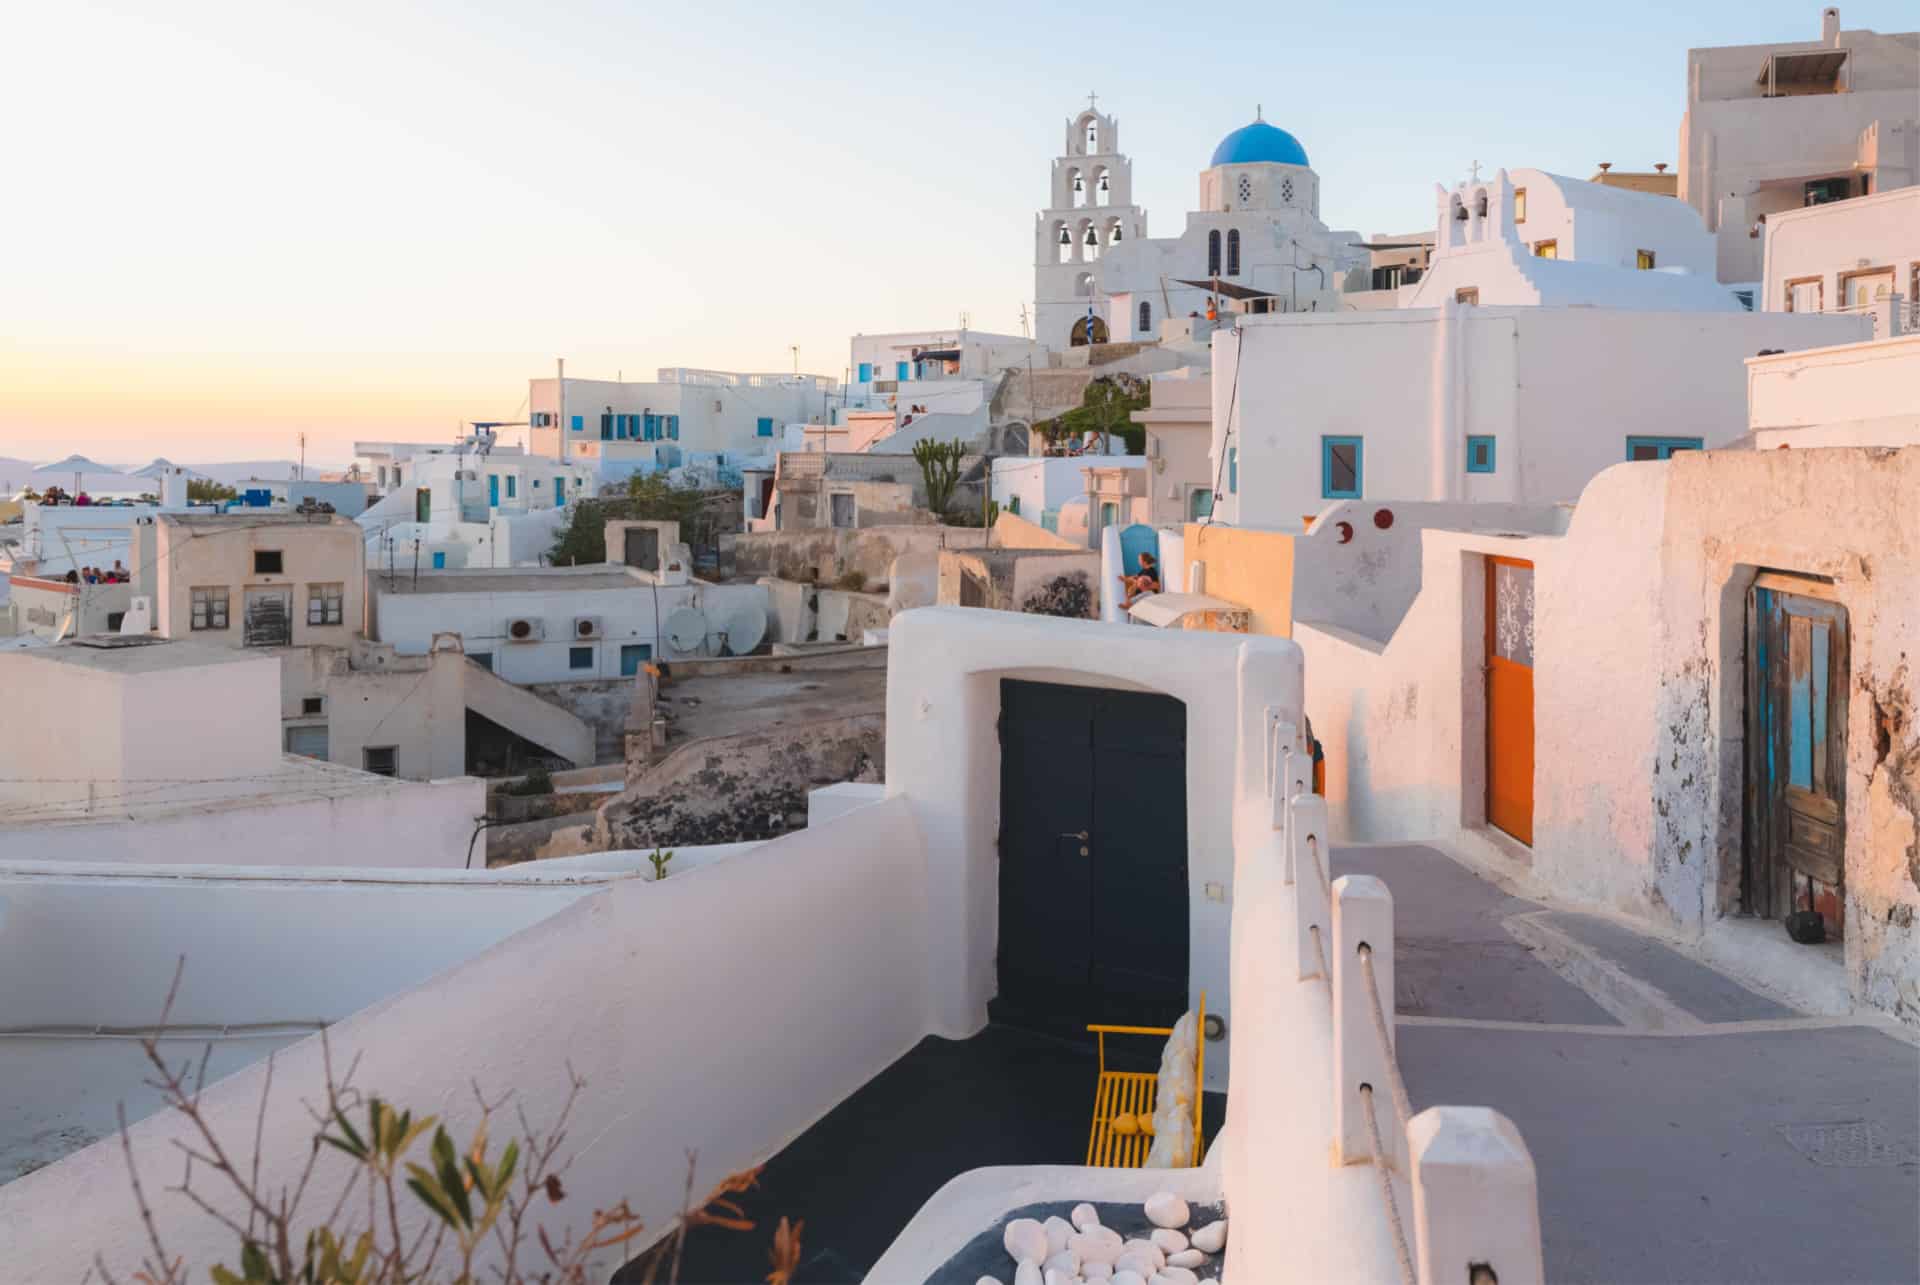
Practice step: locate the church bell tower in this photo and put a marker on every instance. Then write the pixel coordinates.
(1089, 211)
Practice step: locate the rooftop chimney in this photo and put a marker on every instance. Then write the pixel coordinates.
(1659, 167)
(1605, 166)
(1830, 27)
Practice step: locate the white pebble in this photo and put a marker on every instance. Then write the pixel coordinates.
(1171, 1275)
(1055, 1276)
(1096, 1270)
(1187, 1258)
(1084, 1216)
(988, 1280)
(1169, 1240)
(1148, 1250)
(1025, 1240)
(1057, 1229)
(1065, 1261)
(1094, 1248)
(1164, 1209)
(1028, 1273)
(1125, 1277)
(1136, 1261)
(1212, 1237)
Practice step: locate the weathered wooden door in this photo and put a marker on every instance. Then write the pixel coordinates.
(269, 618)
(1797, 678)
(1510, 696)
(643, 547)
(1093, 857)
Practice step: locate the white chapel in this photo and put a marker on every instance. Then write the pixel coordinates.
(1255, 242)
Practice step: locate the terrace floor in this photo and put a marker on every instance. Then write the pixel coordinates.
(1004, 1097)
(1683, 1127)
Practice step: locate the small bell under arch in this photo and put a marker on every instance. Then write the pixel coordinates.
(1079, 184)
(1116, 234)
(1093, 237)
(1066, 237)
(1104, 185)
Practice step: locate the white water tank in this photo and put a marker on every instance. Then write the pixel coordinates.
(173, 490)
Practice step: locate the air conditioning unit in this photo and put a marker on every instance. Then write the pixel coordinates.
(523, 630)
(585, 627)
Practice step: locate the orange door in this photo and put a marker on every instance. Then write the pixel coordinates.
(1510, 696)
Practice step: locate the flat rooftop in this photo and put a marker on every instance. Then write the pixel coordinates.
(252, 518)
(294, 779)
(501, 580)
(141, 654)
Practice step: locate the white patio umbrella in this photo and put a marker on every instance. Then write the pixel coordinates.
(161, 464)
(76, 465)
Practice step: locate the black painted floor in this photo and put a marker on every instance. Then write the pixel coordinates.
(1004, 1097)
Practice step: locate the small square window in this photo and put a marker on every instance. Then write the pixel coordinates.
(1341, 468)
(312, 705)
(1643, 259)
(1468, 295)
(580, 658)
(378, 759)
(267, 562)
(1519, 205)
(1546, 249)
(1660, 448)
(324, 602)
(1479, 455)
(210, 608)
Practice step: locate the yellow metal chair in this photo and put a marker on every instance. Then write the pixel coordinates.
(1133, 1093)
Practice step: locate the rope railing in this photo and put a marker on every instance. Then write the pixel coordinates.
(1385, 1175)
(1402, 1106)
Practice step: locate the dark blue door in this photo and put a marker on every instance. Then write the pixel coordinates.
(1093, 857)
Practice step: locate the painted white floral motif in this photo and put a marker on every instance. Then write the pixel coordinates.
(1513, 613)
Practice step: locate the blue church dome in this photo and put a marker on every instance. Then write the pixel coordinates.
(1257, 143)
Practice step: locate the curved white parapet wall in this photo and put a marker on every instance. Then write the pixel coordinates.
(720, 1011)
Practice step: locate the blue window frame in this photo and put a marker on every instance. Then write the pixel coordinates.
(579, 423)
(632, 656)
(866, 372)
(1479, 455)
(1342, 468)
(1659, 448)
(764, 427)
(439, 562)
(493, 490)
(1233, 474)
(900, 370)
(579, 658)
(512, 486)
(673, 427)
(606, 428)
(559, 491)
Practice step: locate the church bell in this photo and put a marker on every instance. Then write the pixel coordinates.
(1079, 185)
(1066, 237)
(1116, 234)
(1104, 185)
(1092, 237)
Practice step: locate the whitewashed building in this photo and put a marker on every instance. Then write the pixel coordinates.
(624, 427)
(562, 624)
(1861, 255)
(1530, 237)
(1256, 227)
(1489, 403)
(1776, 127)
(466, 508)
(183, 765)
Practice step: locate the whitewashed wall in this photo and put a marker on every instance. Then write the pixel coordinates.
(1559, 389)
(660, 995)
(943, 703)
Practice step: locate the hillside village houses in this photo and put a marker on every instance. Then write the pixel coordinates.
(1533, 730)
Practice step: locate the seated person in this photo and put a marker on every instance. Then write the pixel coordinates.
(1139, 586)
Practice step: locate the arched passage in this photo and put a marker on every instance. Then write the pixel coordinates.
(1088, 330)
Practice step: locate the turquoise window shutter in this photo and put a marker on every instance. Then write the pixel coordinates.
(899, 370)
(866, 372)
(1233, 470)
(579, 423)
(764, 427)
(493, 490)
(511, 488)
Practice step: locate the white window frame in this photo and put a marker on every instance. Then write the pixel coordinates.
(209, 607)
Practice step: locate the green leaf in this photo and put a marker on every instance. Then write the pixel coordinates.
(253, 1261)
(427, 1187)
(357, 1153)
(346, 1127)
(448, 1167)
(221, 1276)
(508, 1159)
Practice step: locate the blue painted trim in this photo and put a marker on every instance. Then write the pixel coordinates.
(1665, 446)
(1327, 491)
(579, 423)
(1233, 471)
(512, 488)
(763, 426)
(1474, 463)
(900, 370)
(866, 372)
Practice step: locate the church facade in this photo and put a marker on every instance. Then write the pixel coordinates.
(1256, 239)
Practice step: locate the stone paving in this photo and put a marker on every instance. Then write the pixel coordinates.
(1752, 1145)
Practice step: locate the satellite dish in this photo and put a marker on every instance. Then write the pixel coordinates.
(686, 631)
(738, 632)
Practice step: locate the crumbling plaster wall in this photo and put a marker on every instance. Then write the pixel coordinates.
(829, 554)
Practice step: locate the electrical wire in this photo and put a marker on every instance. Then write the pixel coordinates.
(1233, 395)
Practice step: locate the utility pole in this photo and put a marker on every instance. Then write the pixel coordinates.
(795, 350)
(303, 457)
(560, 379)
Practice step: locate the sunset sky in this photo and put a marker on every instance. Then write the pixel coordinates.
(226, 223)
